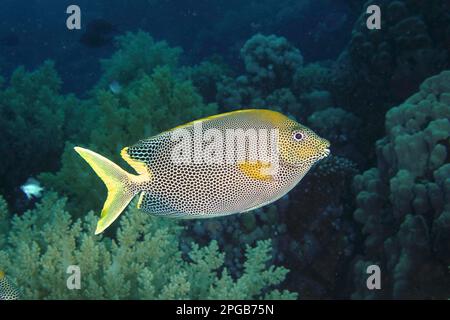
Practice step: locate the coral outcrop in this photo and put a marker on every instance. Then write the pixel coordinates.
(381, 68)
(270, 65)
(403, 204)
(270, 61)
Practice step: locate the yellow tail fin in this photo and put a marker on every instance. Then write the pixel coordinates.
(121, 185)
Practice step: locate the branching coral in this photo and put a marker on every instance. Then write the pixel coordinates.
(142, 262)
(137, 54)
(236, 230)
(404, 204)
(206, 76)
(313, 76)
(270, 64)
(4, 221)
(270, 61)
(336, 124)
(32, 112)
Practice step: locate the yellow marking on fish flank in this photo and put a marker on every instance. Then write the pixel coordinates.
(254, 170)
(2, 274)
(137, 165)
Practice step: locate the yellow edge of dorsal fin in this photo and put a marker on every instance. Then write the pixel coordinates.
(139, 166)
(221, 115)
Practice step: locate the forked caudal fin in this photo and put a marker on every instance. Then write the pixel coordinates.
(122, 186)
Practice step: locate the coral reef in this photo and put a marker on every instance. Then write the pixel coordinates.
(33, 113)
(206, 75)
(316, 234)
(137, 54)
(381, 68)
(236, 230)
(342, 129)
(311, 77)
(270, 61)
(320, 222)
(328, 229)
(403, 204)
(270, 65)
(142, 261)
(311, 230)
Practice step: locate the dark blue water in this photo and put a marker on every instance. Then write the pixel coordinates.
(202, 28)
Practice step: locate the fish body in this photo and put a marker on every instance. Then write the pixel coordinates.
(7, 290)
(221, 165)
(32, 188)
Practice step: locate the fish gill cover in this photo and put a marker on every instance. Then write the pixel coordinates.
(381, 97)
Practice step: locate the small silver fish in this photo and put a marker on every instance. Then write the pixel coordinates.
(115, 87)
(32, 188)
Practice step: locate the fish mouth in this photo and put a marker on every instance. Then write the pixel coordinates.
(326, 152)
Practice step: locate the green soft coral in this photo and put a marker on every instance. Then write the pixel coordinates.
(206, 75)
(137, 54)
(143, 261)
(4, 221)
(32, 111)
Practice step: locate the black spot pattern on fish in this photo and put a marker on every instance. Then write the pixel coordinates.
(8, 291)
(202, 190)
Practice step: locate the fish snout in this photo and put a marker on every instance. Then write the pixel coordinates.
(324, 148)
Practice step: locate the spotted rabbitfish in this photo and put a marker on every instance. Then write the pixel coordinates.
(210, 167)
(7, 290)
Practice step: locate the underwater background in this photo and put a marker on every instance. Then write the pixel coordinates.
(137, 68)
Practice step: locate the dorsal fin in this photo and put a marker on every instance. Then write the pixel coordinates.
(139, 166)
(261, 113)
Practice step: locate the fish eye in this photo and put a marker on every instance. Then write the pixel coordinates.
(298, 136)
